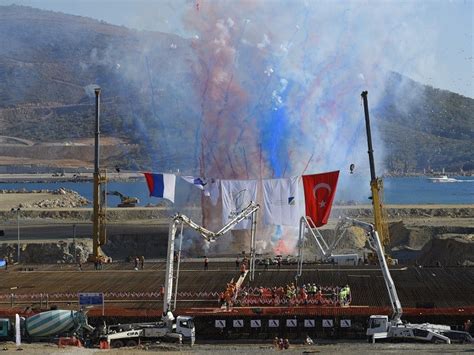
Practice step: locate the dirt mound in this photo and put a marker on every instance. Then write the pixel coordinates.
(60, 198)
(399, 234)
(449, 250)
(355, 238)
(37, 253)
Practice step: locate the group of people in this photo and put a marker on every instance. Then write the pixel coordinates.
(292, 295)
(226, 298)
(280, 343)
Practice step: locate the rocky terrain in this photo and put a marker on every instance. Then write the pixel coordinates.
(60, 198)
(427, 235)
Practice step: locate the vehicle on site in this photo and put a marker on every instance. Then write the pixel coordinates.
(125, 201)
(182, 327)
(383, 327)
(443, 178)
(458, 336)
(376, 188)
(380, 220)
(344, 259)
(132, 334)
(47, 325)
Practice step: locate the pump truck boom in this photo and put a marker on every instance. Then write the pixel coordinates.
(323, 247)
(380, 327)
(209, 236)
(182, 326)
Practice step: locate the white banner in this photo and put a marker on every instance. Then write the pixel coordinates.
(211, 190)
(236, 195)
(282, 204)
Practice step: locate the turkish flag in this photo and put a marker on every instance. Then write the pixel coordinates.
(319, 191)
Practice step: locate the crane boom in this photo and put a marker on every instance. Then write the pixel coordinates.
(374, 242)
(208, 236)
(376, 184)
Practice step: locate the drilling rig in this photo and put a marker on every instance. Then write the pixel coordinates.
(99, 193)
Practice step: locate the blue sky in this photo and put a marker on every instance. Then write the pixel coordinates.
(445, 62)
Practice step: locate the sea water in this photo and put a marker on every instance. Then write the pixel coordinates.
(397, 190)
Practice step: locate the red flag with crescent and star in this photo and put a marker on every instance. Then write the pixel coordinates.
(319, 191)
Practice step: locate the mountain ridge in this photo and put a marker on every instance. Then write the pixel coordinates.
(50, 60)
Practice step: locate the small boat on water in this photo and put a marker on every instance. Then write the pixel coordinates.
(443, 178)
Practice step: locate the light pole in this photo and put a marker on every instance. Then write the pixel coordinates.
(17, 210)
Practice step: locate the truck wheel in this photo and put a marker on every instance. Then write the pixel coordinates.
(117, 344)
(132, 343)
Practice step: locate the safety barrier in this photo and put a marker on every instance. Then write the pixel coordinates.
(35, 297)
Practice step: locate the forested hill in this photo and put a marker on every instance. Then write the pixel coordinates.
(49, 60)
(427, 128)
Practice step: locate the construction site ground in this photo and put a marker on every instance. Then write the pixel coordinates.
(265, 347)
(443, 290)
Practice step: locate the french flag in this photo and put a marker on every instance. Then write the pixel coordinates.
(161, 185)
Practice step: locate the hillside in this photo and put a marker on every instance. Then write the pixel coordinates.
(432, 128)
(49, 62)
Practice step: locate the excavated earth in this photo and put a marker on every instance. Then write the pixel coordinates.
(419, 234)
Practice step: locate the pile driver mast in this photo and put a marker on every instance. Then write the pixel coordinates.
(376, 183)
(99, 193)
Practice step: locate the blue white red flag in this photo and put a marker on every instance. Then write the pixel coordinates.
(161, 185)
(200, 183)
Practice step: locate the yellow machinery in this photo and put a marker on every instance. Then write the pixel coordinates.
(376, 187)
(99, 194)
(125, 201)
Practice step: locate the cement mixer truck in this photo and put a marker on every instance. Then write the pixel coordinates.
(46, 325)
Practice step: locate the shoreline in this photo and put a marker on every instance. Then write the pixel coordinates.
(67, 177)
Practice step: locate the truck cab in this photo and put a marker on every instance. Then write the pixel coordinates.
(378, 327)
(185, 327)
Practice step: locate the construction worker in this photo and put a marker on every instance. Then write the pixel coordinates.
(275, 343)
(242, 269)
(206, 263)
(467, 325)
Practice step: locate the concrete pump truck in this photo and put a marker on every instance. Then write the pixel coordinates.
(380, 326)
(181, 327)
